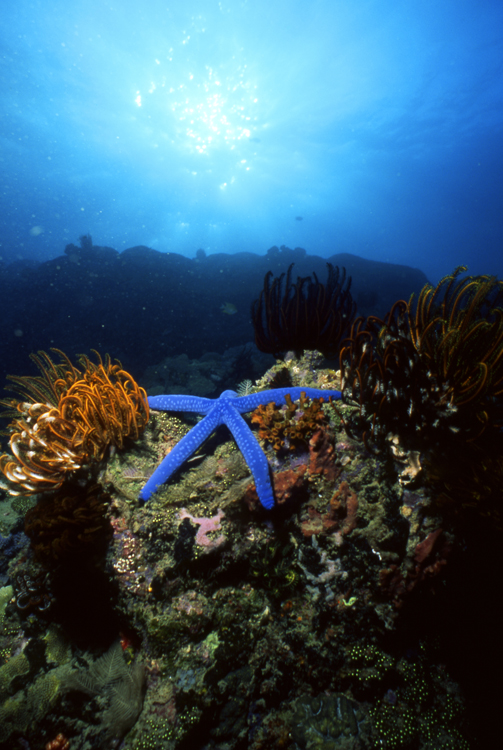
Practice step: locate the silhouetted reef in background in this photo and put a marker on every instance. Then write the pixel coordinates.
(142, 305)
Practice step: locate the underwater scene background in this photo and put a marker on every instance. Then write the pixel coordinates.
(251, 448)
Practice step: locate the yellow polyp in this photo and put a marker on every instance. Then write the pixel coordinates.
(350, 603)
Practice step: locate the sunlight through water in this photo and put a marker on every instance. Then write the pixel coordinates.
(207, 109)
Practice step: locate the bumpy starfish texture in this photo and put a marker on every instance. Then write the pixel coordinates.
(226, 409)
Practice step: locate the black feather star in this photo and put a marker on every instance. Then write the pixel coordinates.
(304, 315)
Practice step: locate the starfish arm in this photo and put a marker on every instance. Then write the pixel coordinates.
(226, 409)
(175, 402)
(253, 454)
(277, 396)
(180, 453)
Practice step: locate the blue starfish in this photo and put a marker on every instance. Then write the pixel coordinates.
(226, 409)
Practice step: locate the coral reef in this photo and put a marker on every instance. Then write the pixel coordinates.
(207, 376)
(24, 707)
(329, 721)
(226, 409)
(242, 621)
(229, 625)
(31, 695)
(10, 546)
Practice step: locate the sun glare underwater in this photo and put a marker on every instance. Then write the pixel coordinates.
(366, 127)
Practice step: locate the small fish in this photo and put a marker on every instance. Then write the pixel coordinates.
(299, 218)
(228, 308)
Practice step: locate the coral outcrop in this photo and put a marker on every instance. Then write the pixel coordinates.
(304, 626)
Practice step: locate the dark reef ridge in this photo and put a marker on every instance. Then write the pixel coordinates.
(142, 305)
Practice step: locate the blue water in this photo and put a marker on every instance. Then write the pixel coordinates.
(365, 126)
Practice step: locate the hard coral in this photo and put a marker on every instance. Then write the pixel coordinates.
(69, 417)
